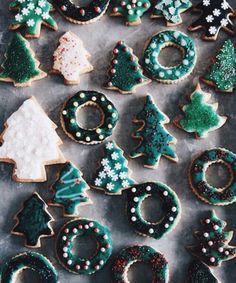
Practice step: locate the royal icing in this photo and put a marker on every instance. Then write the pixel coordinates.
(214, 246)
(144, 254)
(32, 14)
(199, 272)
(125, 73)
(202, 188)
(71, 58)
(155, 140)
(215, 15)
(178, 40)
(29, 260)
(72, 231)
(200, 117)
(20, 66)
(30, 142)
(222, 73)
(70, 190)
(89, 98)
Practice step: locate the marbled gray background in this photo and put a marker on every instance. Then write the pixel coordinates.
(99, 38)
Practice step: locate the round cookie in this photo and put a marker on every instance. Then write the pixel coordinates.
(29, 260)
(144, 254)
(82, 15)
(76, 229)
(171, 206)
(153, 47)
(109, 117)
(197, 177)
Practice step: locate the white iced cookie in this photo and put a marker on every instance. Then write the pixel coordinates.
(30, 142)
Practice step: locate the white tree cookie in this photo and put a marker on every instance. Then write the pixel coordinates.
(30, 142)
(71, 58)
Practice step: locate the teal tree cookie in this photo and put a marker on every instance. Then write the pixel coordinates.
(170, 207)
(199, 272)
(113, 174)
(70, 190)
(200, 117)
(73, 231)
(29, 260)
(125, 73)
(20, 66)
(32, 14)
(171, 10)
(130, 10)
(222, 73)
(143, 254)
(33, 221)
(155, 140)
(214, 246)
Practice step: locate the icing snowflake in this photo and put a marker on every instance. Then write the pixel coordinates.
(42, 3)
(115, 177)
(206, 2)
(109, 145)
(25, 11)
(125, 184)
(224, 5)
(212, 30)
(224, 22)
(102, 174)
(45, 16)
(216, 12)
(30, 6)
(98, 182)
(38, 11)
(107, 168)
(21, 1)
(110, 186)
(114, 156)
(18, 17)
(104, 161)
(117, 166)
(30, 23)
(123, 175)
(209, 19)
(110, 173)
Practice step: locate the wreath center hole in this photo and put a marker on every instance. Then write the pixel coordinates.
(170, 56)
(81, 3)
(218, 175)
(140, 272)
(84, 246)
(152, 209)
(89, 117)
(28, 276)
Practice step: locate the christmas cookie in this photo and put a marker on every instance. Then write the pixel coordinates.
(112, 176)
(70, 190)
(214, 247)
(82, 14)
(109, 117)
(71, 59)
(155, 140)
(153, 47)
(29, 260)
(222, 72)
(20, 66)
(215, 15)
(125, 72)
(200, 117)
(31, 14)
(30, 142)
(171, 10)
(143, 254)
(197, 178)
(171, 207)
(72, 231)
(130, 10)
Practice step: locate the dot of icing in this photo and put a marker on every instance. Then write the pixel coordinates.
(64, 238)
(133, 190)
(161, 74)
(191, 53)
(185, 62)
(166, 225)
(165, 193)
(87, 262)
(154, 54)
(65, 255)
(101, 137)
(64, 112)
(212, 259)
(82, 95)
(204, 250)
(76, 104)
(130, 12)
(102, 98)
(101, 262)
(98, 130)
(226, 252)
(210, 243)
(151, 231)
(206, 235)
(109, 126)
(147, 61)
(102, 250)
(87, 139)
(91, 224)
(94, 98)
(156, 67)
(216, 227)
(113, 115)
(171, 218)
(153, 45)
(207, 221)
(86, 226)
(136, 199)
(174, 209)
(133, 218)
(148, 188)
(169, 72)
(75, 230)
(132, 210)
(78, 134)
(72, 121)
(221, 249)
(176, 34)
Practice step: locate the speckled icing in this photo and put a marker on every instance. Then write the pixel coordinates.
(198, 272)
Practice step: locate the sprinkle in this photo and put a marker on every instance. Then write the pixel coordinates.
(207, 221)
(78, 134)
(166, 225)
(151, 231)
(206, 235)
(86, 226)
(69, 262)
(91, 224)
(165, 193)
(174, 209)
(75, 230)
(87, 139)
(102, 250)
(132, 210)
(216, 227)
(133, 190)
(148, 188)
(212, 259)
(210, 243)
(204, 250)
(64, 112)
(226, 252)
(64, 238)
(133, 218)
(77, 267)
(136, 199)
(65, 255)
(221, 249)
(76, 104)
(171, 218)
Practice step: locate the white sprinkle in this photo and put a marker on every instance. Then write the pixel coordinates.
(210, 243)
(91, 224)
(204, 250)
(151, 231)
(171, 218)
(69, 262)
(148, 188)
(65, 255)
(103, 250)
(87, 262)
(78, 134)
(87, 139)
(174, 209)
(136, 199)
(64, 238)
(216, 227)
(133, 218)
(132, 210)
(165, 193)
(227, 252)
(221, 249)
(94, 98)
(86, 226)
(207, 221)
(75, 230)
(206, 235)
(212, 259)
(166, 225)
(76, 104)
(65, 249)
(133, 190)
(64, 112)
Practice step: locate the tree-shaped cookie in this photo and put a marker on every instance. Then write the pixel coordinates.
(20, 66)
(30, 142)
(125, 73)
(33, 221)
(70, 190)
(215, 15)
(71, 58)
(199, 272)
(113, 174)
(200, 117)
(214, 246)
(31, 14)
(222, 73)
(155, 140)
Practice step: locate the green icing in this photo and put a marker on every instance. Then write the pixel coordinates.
(33, 221)
(155, 139)
(31, 14)
(157, 43)
(144, 254)
(72, 231)
(125, 72)
(198, 181)
(131, 10)
(29, 260)
(113, 174)
(70, 190)
(214, 246)
(199, 272)
(171, 10)
(222, 74)
(19, 65)
(170, 207)
(200, 117)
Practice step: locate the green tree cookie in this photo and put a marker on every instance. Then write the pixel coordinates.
(199, 272)
(155, 140)
(200, 117)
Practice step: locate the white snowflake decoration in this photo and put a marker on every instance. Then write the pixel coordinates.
(102, 174)
(224, 5)
(105, 161)
(109, 145)
(117, 166)
(123, 175)
(30, 23)
(224, 22)
(216, 12)
(114, 156)
(209, 19)
(110, 186)
(98, 182)
(206, 3)
(212, 30)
